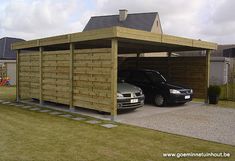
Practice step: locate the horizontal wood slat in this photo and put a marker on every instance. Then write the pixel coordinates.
(29, 75)
(188, 71)
(91, 77)
(55, 76)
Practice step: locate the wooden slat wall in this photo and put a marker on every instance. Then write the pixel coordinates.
(29, 75)
(188, 71)
(92, 79)
(55, 76)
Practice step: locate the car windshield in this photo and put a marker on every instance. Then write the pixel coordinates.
(155, 76)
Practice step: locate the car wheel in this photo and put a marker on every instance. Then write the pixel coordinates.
(159, 100)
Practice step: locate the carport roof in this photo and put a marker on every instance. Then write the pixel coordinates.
(130, 41)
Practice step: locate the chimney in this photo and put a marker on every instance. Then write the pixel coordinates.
(122, 14)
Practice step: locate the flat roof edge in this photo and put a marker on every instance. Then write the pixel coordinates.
(163, 38)
(116, 32)
(104, 33)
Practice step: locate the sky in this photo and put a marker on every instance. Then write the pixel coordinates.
(209, 20)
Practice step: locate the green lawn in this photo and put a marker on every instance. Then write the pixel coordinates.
(222, 103)
(230, 104)
(227, 92)
(7, 93)
(31, 136)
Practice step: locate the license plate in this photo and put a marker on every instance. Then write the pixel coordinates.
(134, 100)
(187, 97)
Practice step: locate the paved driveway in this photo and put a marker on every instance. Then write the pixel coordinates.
(193, 119)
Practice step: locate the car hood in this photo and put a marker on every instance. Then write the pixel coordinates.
(127, 88)
(174, 86)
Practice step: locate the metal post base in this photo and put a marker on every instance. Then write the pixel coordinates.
(71, 109)
(41, 103)
(18, 100)
(113, 118)
(206, 101)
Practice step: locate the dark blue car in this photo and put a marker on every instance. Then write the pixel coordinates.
(156, 88)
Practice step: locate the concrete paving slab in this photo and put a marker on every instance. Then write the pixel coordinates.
(55, 113)
(93, 121)
(109, 126)
(45, 111)
(6, 103)
(26, 107)
(67, 116)
(19, 105)
(78, 118)
(34, 109)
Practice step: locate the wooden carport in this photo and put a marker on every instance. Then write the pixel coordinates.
(80, 69)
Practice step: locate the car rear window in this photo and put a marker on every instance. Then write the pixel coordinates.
(139, 77)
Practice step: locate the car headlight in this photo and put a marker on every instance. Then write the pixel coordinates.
(174, 91)
(141, 92)
(191, 91)
(119, 95)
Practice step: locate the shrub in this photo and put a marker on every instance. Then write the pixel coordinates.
(214, 90)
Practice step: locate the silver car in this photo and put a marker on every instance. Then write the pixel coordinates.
(129, 96)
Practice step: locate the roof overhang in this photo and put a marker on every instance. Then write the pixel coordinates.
(130, 41)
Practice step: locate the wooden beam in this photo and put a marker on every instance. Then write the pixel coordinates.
(207, 74)
(204, 45)
(134, 34)
(169, 39)
(40, 75)
(169, 54)
(137, 60)
(169, 65)
(17, 76)
(71, 106)
(98, 34)
(114, 54)
(121, 33)
(148, 37)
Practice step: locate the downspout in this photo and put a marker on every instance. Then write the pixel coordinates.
(227, 83)
(4, 47)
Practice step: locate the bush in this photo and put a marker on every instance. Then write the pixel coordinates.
(214, 90)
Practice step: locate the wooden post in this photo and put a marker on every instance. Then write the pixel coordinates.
(207, 74)
(233, 78)
(228, 78)
(169, 54)
(40, 76)
(114, 54)
(71, 76)
(17, 76)
(169, 65)
(137, 60)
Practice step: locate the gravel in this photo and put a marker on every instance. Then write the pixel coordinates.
(193, 119)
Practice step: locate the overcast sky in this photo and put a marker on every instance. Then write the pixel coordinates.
(211, 20)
